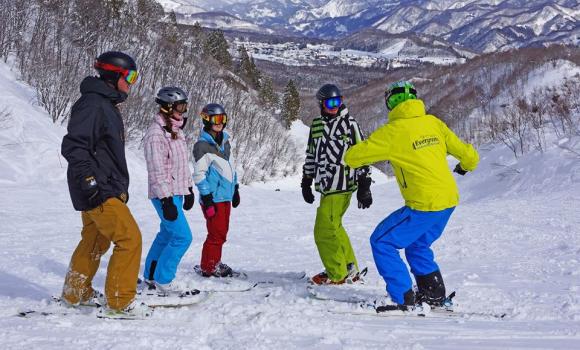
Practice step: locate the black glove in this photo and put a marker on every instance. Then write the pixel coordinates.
(307, 189)
(363, 194)
(236, 199)
(91, 189)
(169, 209)
(458, 169)
(188, 200)
(209, 207)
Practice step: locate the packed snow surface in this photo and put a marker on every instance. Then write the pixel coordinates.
(512, 246)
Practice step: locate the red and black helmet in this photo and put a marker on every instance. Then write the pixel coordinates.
(112, 65)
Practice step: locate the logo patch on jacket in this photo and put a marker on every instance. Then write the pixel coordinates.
(425, 141)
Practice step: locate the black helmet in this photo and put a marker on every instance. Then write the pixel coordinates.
(110, 63)
(328, 91)
(210, 110)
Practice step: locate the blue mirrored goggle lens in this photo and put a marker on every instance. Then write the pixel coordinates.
(333, 102)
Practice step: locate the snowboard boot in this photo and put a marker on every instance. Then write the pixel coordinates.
(220, 270)
(95, 299)
(355, 276)
(134, 311)
(321, 279)
(431, 289)
(146, 287)
(172, 289)
(352, 276)
(410, 303)
(223, 270)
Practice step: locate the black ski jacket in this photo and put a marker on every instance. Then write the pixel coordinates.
(95, 144)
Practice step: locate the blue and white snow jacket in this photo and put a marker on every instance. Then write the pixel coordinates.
(213, 172)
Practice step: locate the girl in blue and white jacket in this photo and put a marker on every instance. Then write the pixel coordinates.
(216, 181)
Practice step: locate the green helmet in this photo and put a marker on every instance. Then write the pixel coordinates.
(398, 92)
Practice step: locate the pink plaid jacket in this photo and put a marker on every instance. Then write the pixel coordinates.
(167, 161)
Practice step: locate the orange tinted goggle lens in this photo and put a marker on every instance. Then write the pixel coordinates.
(218, 119)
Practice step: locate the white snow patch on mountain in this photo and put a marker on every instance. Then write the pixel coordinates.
(551, 75)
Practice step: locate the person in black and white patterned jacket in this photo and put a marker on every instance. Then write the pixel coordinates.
(331, 135)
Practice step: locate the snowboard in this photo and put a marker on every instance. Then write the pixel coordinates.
(362, 302)
(267, 279)
(155, 301)
(55, 308)
(368, 310)
(234, 284)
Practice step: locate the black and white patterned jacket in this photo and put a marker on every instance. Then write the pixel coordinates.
(330, 138)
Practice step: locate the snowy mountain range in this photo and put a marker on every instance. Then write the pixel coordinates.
(481, 25)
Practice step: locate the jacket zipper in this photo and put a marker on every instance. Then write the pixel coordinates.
(404, 180)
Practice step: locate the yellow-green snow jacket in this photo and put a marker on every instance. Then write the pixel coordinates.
(417, 145)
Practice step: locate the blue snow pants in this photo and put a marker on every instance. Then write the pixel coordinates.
(169, 246)
(414, 231)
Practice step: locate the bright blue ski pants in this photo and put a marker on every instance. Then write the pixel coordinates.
(414, 231)
(169, 246)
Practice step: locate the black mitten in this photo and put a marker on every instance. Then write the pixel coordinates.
(307, 189)
(236, 199)
(363, 194)
(458, 169)
(188, 200)
(169, 209)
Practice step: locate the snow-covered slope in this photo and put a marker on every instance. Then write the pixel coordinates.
(29, 152)
(511, 246)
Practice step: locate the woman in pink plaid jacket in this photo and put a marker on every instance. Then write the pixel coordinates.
(170, 190)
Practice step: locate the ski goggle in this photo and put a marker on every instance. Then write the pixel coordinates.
(332, 103)
(181, 107)
(130, 76)
(215, 118)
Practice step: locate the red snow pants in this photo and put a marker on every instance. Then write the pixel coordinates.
(217, 231)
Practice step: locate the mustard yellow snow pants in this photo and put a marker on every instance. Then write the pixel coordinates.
(111, 222)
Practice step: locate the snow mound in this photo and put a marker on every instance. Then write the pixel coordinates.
(29, 140)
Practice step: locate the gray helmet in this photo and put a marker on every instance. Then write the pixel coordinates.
(171, 95)
(328, 91)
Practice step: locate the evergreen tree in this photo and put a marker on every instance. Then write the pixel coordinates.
(247, 68)
(170, 33)
(290, 104)
(267, 94)
(197, 30)
(216, 46)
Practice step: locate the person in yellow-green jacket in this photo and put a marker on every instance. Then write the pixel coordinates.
(416, 144)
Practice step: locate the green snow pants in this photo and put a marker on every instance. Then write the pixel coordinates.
(331, 239)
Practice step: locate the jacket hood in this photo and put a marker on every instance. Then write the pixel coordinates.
(97, 86)
(408, 109)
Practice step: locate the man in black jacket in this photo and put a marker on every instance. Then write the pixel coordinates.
(98, 182)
